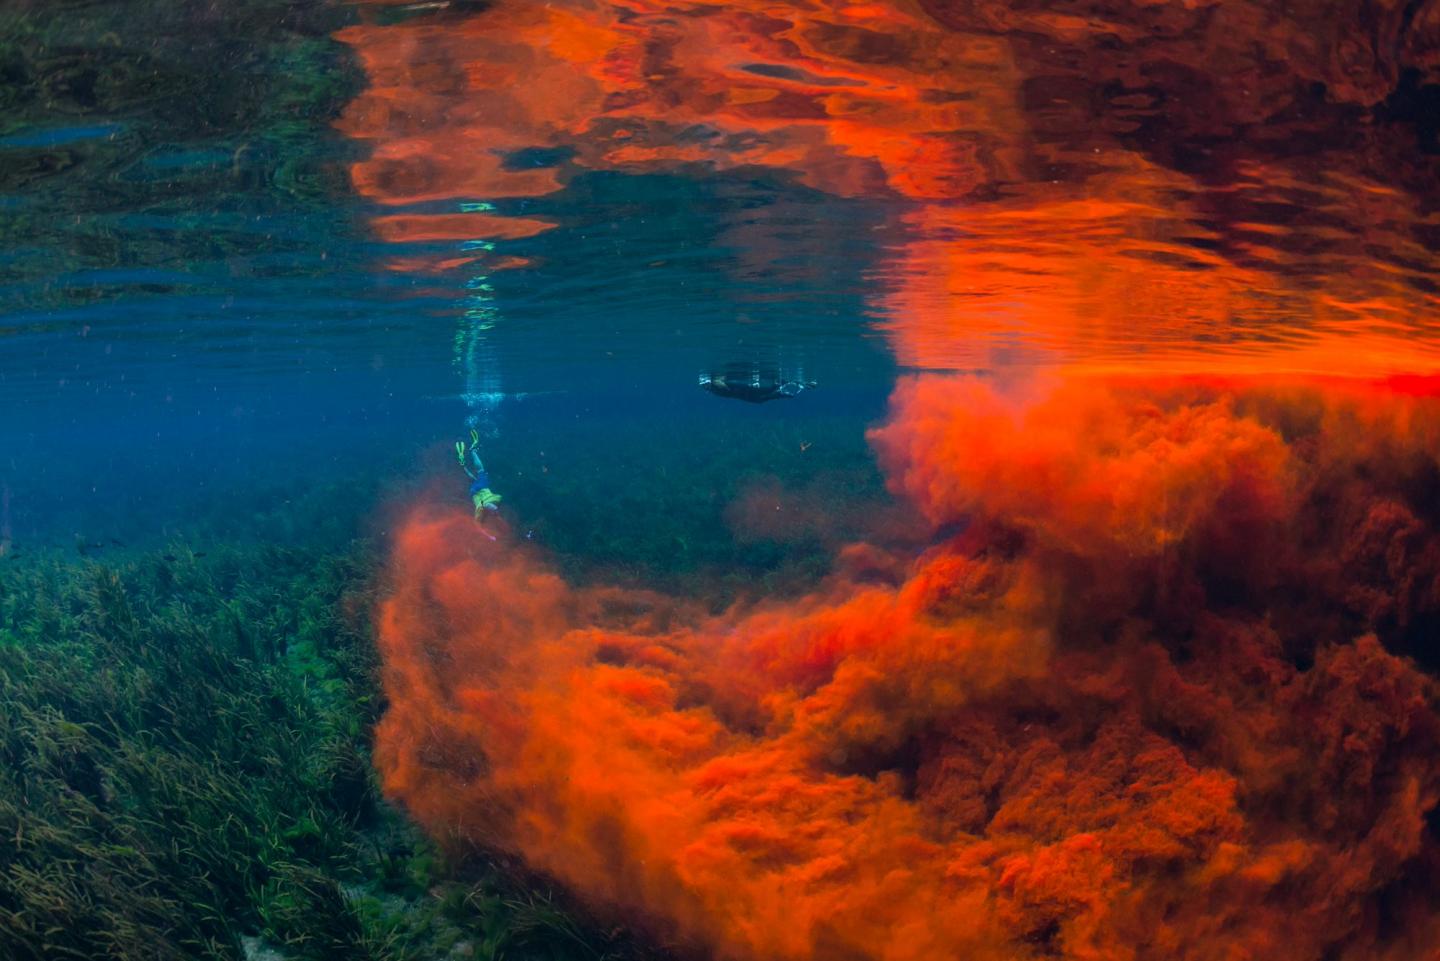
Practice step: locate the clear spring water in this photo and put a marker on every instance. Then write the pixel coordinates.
(197, 312)
(1138, 652)
(231, 260)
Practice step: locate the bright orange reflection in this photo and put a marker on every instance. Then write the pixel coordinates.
(1126, 264)
(1126, 272)
(852, 98)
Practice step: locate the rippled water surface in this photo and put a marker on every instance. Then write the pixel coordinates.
(397, 213)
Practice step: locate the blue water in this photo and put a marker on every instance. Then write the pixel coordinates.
(59, 135)
(138, 394)
(1151, 664)
(198, 325)
(190, 341)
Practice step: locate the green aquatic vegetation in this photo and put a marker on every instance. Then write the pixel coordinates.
(159, 764)
(184, 773)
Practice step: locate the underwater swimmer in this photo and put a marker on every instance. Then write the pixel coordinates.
(485, 500)
(753, 383)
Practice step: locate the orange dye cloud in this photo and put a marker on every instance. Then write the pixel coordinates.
(1145, 696)
(1152, 690)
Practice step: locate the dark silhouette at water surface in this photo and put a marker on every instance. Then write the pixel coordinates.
(754, 383)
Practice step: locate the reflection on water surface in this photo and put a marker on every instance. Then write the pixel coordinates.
(1149, 190)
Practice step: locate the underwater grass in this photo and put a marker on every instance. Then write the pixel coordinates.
(186, 774)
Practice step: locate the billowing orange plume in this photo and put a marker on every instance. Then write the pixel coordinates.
(1157, 687)
(1147, 695)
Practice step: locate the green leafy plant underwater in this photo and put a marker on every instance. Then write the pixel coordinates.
(186, 774)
